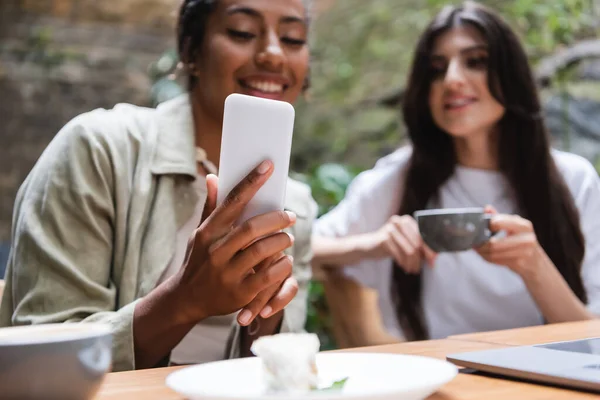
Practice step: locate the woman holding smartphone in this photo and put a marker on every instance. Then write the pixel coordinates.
(477, 138)
(116, 223)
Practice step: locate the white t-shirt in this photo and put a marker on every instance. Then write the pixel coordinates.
(463, 293)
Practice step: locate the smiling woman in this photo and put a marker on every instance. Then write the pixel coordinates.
(239, 29)
(477, 139)
(459, 110)
(117, 222)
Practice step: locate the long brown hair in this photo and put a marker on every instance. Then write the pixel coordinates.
(524, 153)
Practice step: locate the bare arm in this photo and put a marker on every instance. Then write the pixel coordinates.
(215, 278)
(521, 252)
(157, 326)
(337, 252)
(399, 239)
(552, 294)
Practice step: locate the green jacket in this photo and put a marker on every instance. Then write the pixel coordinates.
(95, 222)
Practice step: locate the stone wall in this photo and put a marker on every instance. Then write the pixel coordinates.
(154, 15)
(59, 58)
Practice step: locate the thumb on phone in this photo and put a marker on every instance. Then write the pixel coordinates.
(212, 185)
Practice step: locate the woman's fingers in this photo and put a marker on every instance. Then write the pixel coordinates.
(226, 214)
(269, 261)
(251, 311)
(403, 244)
(405, 249)
(515, 251)
(212, 185)
(259, 251)
(262, 298)
(248, 232)
(408, 228)
(511, 224)
(508, 258)
(269, 276)
(282, 298)
(406, 235)
(409, 245)
(429, 255)
(410, 264)
(269, 302)
(394, 250)
(489, 209)
(508, 244)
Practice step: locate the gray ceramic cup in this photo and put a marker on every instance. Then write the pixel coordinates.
(454, 229)
(55, 361)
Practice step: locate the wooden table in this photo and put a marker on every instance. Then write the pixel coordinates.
(429, 348)
(537, 334)
(149, 384)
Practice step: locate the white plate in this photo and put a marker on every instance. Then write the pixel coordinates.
(372, 376)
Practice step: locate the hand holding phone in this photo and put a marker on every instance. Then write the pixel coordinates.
(254, 130)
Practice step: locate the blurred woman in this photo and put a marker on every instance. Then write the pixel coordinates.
(117, 223)
(477, 137)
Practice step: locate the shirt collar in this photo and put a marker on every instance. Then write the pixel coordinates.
(176, 144)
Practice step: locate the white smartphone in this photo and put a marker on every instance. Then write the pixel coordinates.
(254, 130)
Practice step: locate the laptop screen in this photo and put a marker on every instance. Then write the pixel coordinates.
(587, 346)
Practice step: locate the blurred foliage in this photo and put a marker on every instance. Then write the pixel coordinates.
(318, 317)
(544, 26)
(40, 49)
(328, 183)
(548, 25)
(362, 50)
(162, 74)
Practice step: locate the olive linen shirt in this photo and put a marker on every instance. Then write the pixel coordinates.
(95, 222)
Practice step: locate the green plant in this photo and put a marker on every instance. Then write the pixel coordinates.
(40, 48)
(328, 183)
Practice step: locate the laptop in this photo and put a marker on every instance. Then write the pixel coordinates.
(574, 364)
